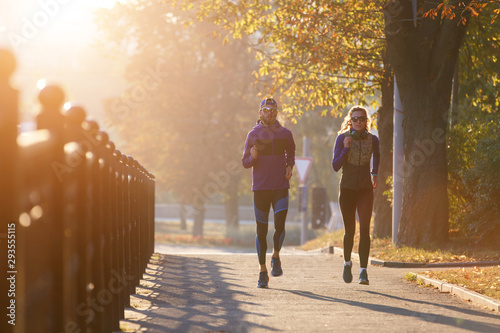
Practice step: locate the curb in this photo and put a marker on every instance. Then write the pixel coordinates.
(444, 287)
(461, 292)
(398, 264)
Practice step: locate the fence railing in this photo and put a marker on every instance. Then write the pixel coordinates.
(77, 219)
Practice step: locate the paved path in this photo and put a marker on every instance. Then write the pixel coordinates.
(217, 292)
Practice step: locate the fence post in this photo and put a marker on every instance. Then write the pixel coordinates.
(50, 117)
(136, 232)
(119, 226)
(145, 221)
(77, 222)
(126, 224)
(108, 171)
(152, 188)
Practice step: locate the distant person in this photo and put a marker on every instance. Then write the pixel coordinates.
(270, 152)
(354, 148)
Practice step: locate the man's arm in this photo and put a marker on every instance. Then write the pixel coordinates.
(247, 160)
(290, 157)
(290, 151)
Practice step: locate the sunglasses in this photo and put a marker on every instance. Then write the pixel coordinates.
(356, 119)
(269, 110)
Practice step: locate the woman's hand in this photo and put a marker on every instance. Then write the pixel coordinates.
(347, 142)
(374, 181)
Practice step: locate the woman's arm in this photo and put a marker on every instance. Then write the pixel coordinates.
(376, 154)
(339, 153)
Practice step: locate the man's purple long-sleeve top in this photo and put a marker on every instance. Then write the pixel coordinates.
(276, 151)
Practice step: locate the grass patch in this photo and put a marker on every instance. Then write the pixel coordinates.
(456, 250)
(483, 280)
(410, 277)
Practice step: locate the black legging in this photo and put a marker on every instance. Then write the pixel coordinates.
(262, 203)
(349, 200)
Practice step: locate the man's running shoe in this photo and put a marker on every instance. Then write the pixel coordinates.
(347, 274)
(263, 280)
(363, 277)
(276, 267)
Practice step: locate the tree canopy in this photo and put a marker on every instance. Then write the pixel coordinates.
(190, 103)
(316, 53)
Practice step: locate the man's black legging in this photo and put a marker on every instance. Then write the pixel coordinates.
(263, 200)
(349, 201)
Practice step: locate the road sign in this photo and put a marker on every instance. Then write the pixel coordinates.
(303, 164)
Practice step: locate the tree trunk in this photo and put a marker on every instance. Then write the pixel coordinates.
(182, 214)
(423, 58)
(232, 216)
(424, 217)
(231, 205)
(198, 219)
(454, 99)
(381, 205)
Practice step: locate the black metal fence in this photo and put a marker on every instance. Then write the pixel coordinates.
(77, 219)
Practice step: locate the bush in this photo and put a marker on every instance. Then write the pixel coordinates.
(474, 181)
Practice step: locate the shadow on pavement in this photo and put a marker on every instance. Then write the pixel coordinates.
(449, 307)
(471, 325)
(188, 294)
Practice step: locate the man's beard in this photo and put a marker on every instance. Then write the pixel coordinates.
(266, 122)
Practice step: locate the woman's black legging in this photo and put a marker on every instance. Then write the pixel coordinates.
(349, 201)
(263, 200)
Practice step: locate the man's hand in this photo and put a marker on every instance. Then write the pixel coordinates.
(374, 181)
(288, 172)
(254, 151)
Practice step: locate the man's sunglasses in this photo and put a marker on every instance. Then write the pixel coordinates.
(356, 119)
(269, 110)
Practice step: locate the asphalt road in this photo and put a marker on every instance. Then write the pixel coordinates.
(213, 291)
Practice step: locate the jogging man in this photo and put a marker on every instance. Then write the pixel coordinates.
(270, 152)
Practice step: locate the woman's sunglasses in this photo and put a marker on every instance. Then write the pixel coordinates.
(356, 119)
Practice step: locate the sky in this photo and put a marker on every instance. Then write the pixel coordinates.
(54, 40)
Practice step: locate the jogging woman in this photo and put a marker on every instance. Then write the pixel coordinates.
(354, 148)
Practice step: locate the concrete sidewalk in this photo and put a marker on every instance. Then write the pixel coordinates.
(217, 293)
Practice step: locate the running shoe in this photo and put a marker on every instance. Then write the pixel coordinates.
(263, 280)
(363, 277)
(276, 267)
(347, 274)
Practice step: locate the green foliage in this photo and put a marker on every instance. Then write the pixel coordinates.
(474, 147)
(409, 276)
(389, 193)
(480, 67)
(474, 181)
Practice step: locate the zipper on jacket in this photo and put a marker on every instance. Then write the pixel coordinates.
(357, 167)
(272, 142)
